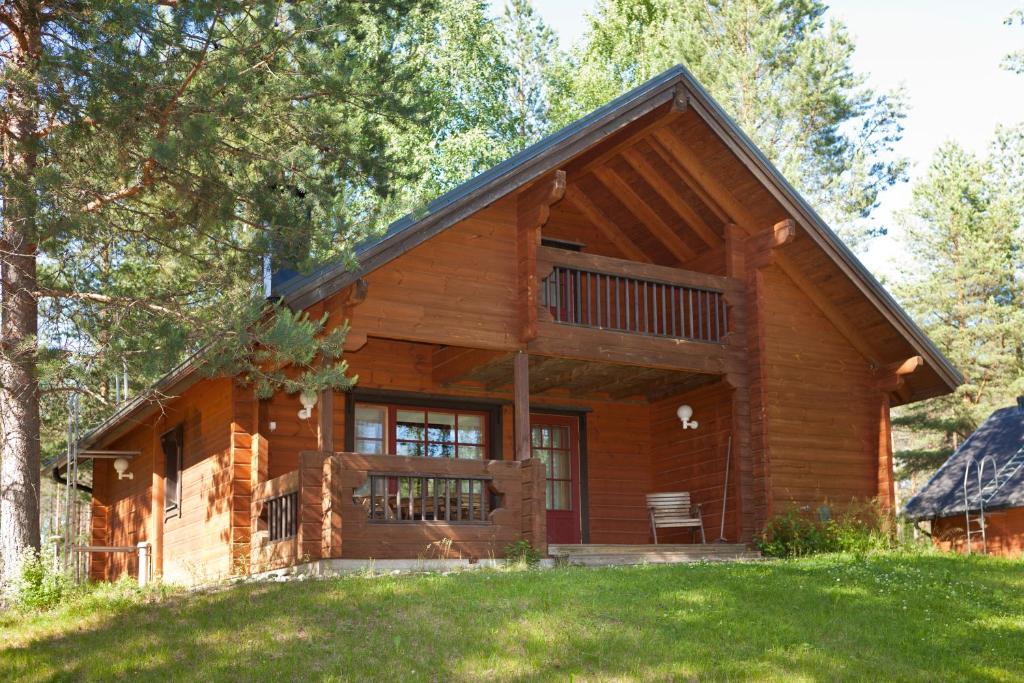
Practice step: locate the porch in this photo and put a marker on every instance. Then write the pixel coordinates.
(373, 508)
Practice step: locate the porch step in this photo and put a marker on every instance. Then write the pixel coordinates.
(611, 554)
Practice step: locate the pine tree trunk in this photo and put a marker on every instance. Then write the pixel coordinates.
(19, 388)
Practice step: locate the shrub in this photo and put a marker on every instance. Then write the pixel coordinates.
(41, 586)
(521, 552)
(859, 529)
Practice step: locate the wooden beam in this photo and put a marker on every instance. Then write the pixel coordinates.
(886, 480)
(358, 293)
(608, 228)
(644, 271)
(688, 180)
(671, 196)
(354, 341)
(533, 208)
(904, 367)
(699, 172)
(783, 233)
(661, 230)
(641, 133)
(825, 305)
(582, 343)
(451, 363)
(325, 422)
(680, 100)
(891, 378)
(521, 392)
(554, 373)
(765, 245)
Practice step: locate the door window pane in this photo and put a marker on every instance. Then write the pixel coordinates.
(560, 465)
(561, 498)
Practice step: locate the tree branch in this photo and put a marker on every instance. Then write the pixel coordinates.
(96, 297)
(149, 165)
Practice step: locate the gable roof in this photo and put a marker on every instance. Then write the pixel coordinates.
(1001, 437)
(544, 157)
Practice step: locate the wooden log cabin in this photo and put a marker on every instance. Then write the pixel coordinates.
(522, 348)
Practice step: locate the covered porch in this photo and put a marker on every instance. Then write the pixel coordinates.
(601, 437)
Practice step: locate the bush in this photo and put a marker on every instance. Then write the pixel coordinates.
(521, 552)
(40, 585)
(859, 529)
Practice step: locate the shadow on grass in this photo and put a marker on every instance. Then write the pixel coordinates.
(891, 618)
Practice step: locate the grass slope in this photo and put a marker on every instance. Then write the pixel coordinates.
(887, 617)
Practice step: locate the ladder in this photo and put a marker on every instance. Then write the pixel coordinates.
(975, 524)
(1010, 468)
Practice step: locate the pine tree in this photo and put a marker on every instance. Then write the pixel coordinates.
(531, 49)
(964, 283)
(779, 68)
(151, 155)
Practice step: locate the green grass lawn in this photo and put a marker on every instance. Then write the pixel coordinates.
(888, 617)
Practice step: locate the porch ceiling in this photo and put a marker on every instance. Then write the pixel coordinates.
(550, 374)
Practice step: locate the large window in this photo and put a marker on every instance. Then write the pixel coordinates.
(423, 432)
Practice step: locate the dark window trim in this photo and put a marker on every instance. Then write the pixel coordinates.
(174, 509)
(581, 415)
(403, 398)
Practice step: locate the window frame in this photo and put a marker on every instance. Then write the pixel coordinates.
(177, 433)
(391, 440)
(490, 409)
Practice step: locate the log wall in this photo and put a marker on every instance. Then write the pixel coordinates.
(1004, 535)
(694, 459)
(820, 404)
(195, 543)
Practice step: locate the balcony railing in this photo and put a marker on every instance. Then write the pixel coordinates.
(281, 515)
(421, 498)
(586, 294)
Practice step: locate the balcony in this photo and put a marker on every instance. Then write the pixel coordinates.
(600, 308)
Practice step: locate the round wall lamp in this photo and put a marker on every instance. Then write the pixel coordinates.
(308, 401)
(684, 413)
(121, 467)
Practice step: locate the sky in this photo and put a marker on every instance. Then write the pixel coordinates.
(946, 53)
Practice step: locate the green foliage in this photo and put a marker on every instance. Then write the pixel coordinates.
(169, 147)
(41, 586)
(963, 280)
(859, 529)
(779, 68)
(522, 553)
(1015, 60)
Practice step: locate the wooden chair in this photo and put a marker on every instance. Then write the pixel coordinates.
(673, 510)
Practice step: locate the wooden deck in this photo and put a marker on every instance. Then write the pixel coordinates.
(599, 555)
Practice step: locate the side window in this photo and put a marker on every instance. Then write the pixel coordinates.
(172, 443)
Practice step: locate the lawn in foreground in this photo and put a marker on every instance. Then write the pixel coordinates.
(889, 617)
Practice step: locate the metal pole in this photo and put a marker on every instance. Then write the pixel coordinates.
(725, 490)
(66, 550)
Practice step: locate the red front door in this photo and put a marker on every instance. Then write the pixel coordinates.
(554, 440)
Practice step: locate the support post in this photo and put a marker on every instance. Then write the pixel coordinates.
(143, 547)
(521, 385)
(886, 483)
(325, 426)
